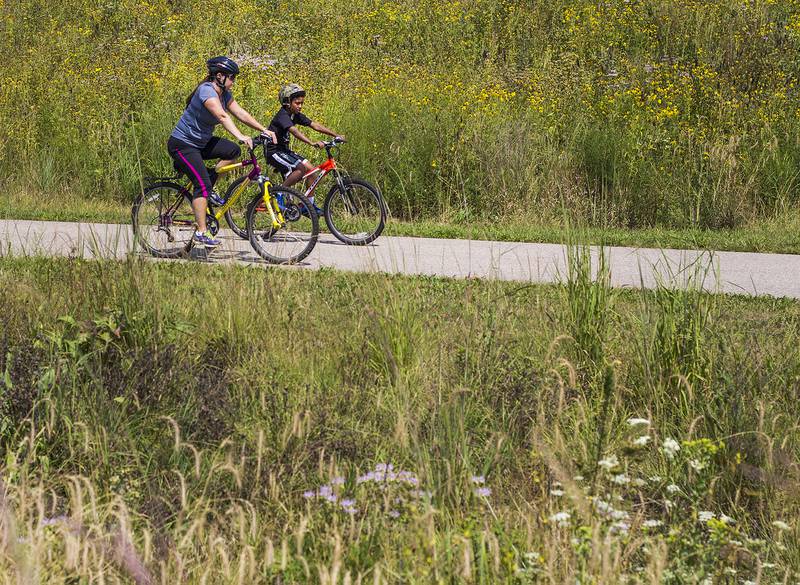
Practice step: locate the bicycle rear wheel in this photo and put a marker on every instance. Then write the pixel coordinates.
(236, 216)
(163, 220)
(294, 238)
(355, 212)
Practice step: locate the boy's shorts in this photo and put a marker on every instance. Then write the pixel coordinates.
(284, 161)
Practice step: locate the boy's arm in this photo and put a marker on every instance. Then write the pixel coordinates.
(324, 130)
(295, 131)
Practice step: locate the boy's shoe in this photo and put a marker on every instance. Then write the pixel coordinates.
(216, 198)
(304, 211)
(204, 239)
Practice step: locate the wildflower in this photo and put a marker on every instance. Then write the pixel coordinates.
(672, 488)
(483, 492)
(697, 465)
(325, 491)
(348, 503)
(394, 513)
(578, 478)
(639, 482)
(705, 516)
(309, 494)
(652, 523)
(621, 479)
(620, 528)
(635, 422)
(331, 498)
(609, 463)
(478, 479)
(725, 519)
(619, 515)
(561, 519)
(557, 493)
(642, 441)
(670, 448)
(781, 525)
(337, 481)
(52, 521)
(655, 478)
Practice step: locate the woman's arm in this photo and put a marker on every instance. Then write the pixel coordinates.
(246, 118)
(214, 106)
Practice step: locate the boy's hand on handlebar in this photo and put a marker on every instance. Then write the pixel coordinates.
(339, 138)
(319, 144)
(269, 136)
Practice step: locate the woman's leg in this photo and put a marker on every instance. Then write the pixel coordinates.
(190, 161)
(225, 150)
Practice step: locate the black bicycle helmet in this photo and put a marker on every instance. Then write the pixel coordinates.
(222, 65)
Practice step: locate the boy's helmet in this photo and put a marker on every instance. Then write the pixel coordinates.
(222, 65)
(289, 92)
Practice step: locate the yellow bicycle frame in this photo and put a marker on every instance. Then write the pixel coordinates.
(278, 220)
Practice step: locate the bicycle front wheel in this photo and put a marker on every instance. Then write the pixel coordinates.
(163, 220)
(355, 212)
(236, 216)
(295, 234)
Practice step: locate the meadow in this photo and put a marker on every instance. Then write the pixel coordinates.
(241, 425)
(628, 115)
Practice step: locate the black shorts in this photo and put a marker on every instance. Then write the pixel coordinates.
(284, 161)
(189, 159)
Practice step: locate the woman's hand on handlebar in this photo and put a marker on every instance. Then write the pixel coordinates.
(269, 136)
(247, 141)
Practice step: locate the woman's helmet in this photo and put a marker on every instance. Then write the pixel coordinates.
(289, 92)
(222, 65)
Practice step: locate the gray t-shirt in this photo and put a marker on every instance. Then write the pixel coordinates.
(197, 124)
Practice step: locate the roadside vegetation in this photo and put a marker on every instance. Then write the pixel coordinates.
(625, 115)
(240, 425)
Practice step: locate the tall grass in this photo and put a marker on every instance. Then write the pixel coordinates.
(627, 114)
(238, 425)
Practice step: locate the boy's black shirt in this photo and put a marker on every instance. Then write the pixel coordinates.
(280, 125)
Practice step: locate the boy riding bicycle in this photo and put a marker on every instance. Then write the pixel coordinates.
(291, 165)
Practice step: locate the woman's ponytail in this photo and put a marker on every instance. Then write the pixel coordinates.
(208, 78)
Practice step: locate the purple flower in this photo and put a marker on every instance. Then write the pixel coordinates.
(309, 494)
(348, 503)
(325, 491)
(331, 498)
(337, 481)
(483, 492)
(478, 479)
(394, 514)
(52, 521)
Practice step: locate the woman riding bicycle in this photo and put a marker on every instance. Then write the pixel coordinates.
(192, 140)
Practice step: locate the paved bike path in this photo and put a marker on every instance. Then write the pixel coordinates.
(730, 272)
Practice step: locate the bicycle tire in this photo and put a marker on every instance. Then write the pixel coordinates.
(293, 241)
(359, 207)
(236, 216)
(163, 220)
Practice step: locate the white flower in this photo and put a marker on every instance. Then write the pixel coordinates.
(635, 422)
(748, 582)
(668, 504)
(621, 479)
(652, 523)
(578, 478)
(725, 519)
(639, 482)
(781, 525)
(705, 516)
(672, 488)
(609, 462)
(561, 519)
(620, 528)
(642, 441)
(697, 465)
(655, 478)
(670, 448)
(619, 515)
(557, 493)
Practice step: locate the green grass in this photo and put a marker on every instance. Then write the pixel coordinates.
(781, 235)
(168, 418)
